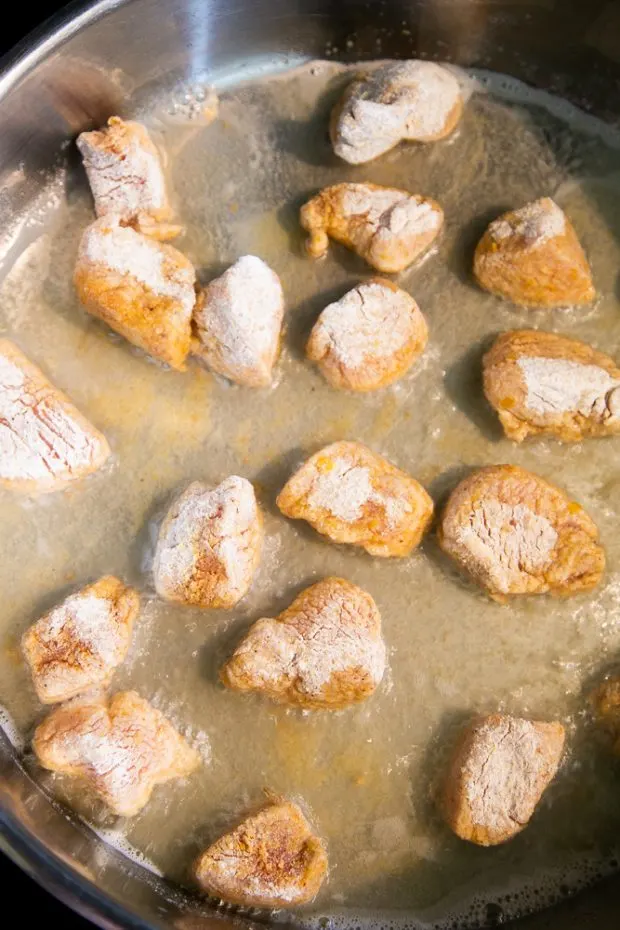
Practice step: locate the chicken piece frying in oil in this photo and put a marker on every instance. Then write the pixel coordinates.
(369, 338)
(324, 652)
(515, 533)
(605, 701)
(45, 443)
(142, 289)
(121, 748)
(209, 545)
(545, 384)
(352, 495)
(413, 101)
(79, 643)
(499, 770)
(387, 227)
(271, 860)
(532, 257)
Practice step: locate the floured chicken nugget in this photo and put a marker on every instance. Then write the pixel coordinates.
(122, 748)
(126, 177)
(606, 703)
(369, 338)
(533, 257)
(45, 443)
(79, 643)
(142, 289)
(542, 383)
(238, 318)
(515, 533)
(499, 771)
(388, 227)
(325, 651)
(413, 101)
(209, 545)
(272, 859)
(353, 495)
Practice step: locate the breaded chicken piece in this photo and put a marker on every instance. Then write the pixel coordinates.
(272, 859)
(142, 289)
(126, 177)
(387, 227)
(79, 643)
(533, 257)
(238, 318)
(122, 748)
(369, 338)
(353, 495)
(542, 383)
(606, 703)
(498, 773)
(413, 101)
(209, 545)
(324, 652)
(45, 443)
(516, 533)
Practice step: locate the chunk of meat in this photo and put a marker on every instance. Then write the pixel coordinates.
(209, 545)
(238, 318)
(387, 227)
(324, 652)
(122, 748)
(498, 773)
(369, 338)
(353, 495)
(533, 257)
(515, 533)
(272, 859)
(542, 383)
(45, 443)
(126, 177)
(413, 101)
(142, 289)
(606, 703)
(79, 643)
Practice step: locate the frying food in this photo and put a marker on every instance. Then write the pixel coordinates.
(325, 651)
(389, 228)
(545, 384)
(369, 338)
(515, 533)
(79, 643)
(121, 748)
(413, 101)
(272, 859)
(352, 495)
(209, 545)
(498, 773)
(606, 702)
(532, 257)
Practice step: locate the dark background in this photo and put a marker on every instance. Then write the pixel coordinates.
(37, 907)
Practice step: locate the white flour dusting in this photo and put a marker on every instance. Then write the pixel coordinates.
(559, 385)
(536, 223)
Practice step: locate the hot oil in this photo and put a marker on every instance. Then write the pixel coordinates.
(365, 776)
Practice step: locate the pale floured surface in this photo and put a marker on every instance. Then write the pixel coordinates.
(345, 489)
(390, 211)
(556, 385)
(363, 773)
(535, 223)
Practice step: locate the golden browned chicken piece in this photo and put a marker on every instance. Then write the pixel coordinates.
(542, 383)
(353, 495)
(238, 318)
(369, 338)
(387, 227)
(516, 533)
(413, 101)
(209, 545)
(606, 703)
(45, 443)
(79, 643)
(498, 773)
(126, 177)
(142, 289)
(272, 859)
(533, 257)
(324, 652)
(122, 748)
